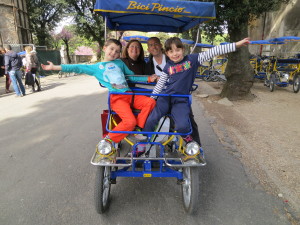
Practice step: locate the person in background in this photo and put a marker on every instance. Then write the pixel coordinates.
(2, 70)
(155, 65)
(133, 57)
(63, 55)
(31, 65)
(13, 64)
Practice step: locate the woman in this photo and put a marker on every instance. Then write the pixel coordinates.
(133, 57)
(32, 65)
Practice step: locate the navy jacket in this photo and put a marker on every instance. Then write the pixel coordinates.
(12, 61)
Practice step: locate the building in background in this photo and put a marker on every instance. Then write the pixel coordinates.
(284, 22)
(14, 23)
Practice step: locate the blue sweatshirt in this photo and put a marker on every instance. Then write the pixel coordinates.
(110, 74)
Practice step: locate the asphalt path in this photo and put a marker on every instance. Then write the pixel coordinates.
(47, 140)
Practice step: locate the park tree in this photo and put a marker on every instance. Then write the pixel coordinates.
(77, 40)
(66, 35)
(89, 23)
(234, 17)
(55, 40)
(44, 16)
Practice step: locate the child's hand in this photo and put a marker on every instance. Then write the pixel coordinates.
(153, 78)
(243, 42)
(48, 67)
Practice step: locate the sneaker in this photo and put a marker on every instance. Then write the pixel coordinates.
(140, 150)
(188, 139)
(137, 137)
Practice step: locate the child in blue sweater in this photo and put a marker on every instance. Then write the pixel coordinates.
(111, 73)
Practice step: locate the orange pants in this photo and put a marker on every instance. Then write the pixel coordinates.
(121, 104)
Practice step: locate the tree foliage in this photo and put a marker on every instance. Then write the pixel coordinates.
(231, 14)
(89, 24)
(44, 16)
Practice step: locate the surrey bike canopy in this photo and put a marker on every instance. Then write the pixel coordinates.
(154, 15)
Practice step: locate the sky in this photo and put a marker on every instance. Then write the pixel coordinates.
(64, 22)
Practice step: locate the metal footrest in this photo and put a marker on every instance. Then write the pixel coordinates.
(98, 160)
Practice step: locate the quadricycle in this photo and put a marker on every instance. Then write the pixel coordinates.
(164, 154)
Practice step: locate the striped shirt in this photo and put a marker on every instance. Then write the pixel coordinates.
(178, 78)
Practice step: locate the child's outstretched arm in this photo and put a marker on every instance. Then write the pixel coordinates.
(51, 66)
(221, 50)
(243, 42)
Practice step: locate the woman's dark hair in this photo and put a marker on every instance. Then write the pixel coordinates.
(173, 40)
(125, 52)
(113, 41)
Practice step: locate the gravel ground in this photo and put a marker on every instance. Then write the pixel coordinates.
(264, 133)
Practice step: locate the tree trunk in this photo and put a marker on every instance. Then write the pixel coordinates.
(67, 50)
(99, 51)
(239, 73)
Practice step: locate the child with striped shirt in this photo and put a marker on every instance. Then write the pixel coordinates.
(177, 78)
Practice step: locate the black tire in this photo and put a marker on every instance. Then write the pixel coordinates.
(207, 77)
(190, 189)
(102, 189)
(215, 77)
(296, 83)
(272, 83)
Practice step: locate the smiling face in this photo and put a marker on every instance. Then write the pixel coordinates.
(175, 54)
(134, 50)
(154, 46)
(111, 52)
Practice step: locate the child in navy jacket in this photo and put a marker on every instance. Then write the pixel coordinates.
(177, 78)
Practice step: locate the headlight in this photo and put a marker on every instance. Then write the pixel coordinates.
(192, 148)
(286, 75)
(104, 147)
